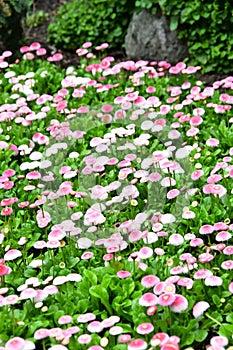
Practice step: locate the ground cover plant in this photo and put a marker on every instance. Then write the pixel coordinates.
(204, 27)
(116, 206)
(95, 20)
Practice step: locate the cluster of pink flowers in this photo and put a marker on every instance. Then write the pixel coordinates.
(178, 258)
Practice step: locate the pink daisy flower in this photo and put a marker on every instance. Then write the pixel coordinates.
(223, 236)
(84, 339)
(166, 299)
(176, 239)
(8, 185)
(199, 308)
(176, 270)
(150, 89)
(214, 178)
(148, 299)
(115, 330)
(213, 281)
(34, 46)
(169, 286)
(196, 242)
(206, 229)
(205, 258)
(137, 344)
(196, 120)
(218, 190)
(10, 300)
(65, 319)
(41, 52)
(151, 310)
(173, 193)
(41, 333)
(218, 226)
(145, 253)
(180, 304)
(228, 250)
(12, 254)
(87, 255)
(170, 345)
(124, 338)
(185, 282)
(33, 175)
(231, 287)
(6, 211)
(145, 328)
(219, 341)
(84, 318)
(16, 343)
(123, 274)
(159, 339)
(212, 142)
(95, 327)
(197, 174)
(188, 214)
(149, 281)
(159, 287)
(227, 265)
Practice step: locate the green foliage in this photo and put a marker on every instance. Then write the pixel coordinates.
(12, 12)
(206, 26)
(8, 7)
(36, 19)
(96, 20)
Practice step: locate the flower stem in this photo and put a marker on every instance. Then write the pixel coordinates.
(213, 319)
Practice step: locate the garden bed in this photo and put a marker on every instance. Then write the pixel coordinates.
(116, 204)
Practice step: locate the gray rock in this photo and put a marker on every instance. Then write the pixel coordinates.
(149, 37)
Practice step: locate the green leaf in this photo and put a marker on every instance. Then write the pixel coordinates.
(119, 347)
(91, 277)
(128, 286)
(34, 325)
(58, 314)
(4, 337)
(196, 16)
(162, 325)
(29, 272)
(203, 59)
(101, 293)
(200, 335)
(229, 318)
(193, 324)
(196, 46)
(106, 280)
(226, 330)
(82, 306)
(223, 37)
(216, 300)
(189, 339)
(126, 327)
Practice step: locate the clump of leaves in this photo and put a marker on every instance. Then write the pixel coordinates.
(97, 21)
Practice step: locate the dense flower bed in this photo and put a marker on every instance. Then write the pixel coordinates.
(116, 206)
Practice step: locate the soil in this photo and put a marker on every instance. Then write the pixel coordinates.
(39, 34)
